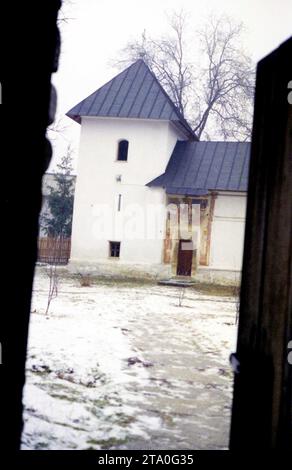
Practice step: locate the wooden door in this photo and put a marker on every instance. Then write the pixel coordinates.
(184, 258)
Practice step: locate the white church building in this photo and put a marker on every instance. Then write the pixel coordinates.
(150, 199)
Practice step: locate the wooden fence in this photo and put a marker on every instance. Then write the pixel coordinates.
(54, 250)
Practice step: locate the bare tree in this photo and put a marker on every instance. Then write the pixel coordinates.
(166, 58)
(57, 129)
(53, 285)
(56, 220)
(63, 16)
(227, 85)
(181, 295)
(215, 93)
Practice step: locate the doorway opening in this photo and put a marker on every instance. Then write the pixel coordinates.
(184, 258)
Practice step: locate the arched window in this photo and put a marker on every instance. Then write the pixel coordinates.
(123, 150)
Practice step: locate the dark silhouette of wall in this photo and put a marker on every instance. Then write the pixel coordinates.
(29, 55)
(262, 405)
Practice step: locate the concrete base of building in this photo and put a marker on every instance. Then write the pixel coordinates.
(116, 269)
(120, 270)
(224, 277)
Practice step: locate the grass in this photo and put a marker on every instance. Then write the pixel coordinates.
(60, 391)
(216, 290)
(91, 280)
(105, 443)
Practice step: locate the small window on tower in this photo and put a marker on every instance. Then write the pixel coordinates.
(119, 202)
(114, 249)
(123, 150)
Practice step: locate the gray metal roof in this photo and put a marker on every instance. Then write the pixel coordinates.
(197, 167)
(134, 93)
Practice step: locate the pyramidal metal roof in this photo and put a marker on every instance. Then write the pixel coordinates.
(133, 93)
(198, 167)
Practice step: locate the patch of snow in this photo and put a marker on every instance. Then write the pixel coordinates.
(85, 390)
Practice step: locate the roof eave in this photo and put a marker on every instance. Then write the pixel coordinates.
(74, 117)
(186, 130)
(186, 192)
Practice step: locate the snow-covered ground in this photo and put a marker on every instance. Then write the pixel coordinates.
(123, 366)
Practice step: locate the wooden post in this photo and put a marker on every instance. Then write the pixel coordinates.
(262, 403)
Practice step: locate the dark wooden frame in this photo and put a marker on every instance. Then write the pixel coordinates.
(262, 404)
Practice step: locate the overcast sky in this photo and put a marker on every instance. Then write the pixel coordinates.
(97, 29)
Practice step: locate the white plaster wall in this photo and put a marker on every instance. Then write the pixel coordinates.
(96, 218)
(227, 233)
